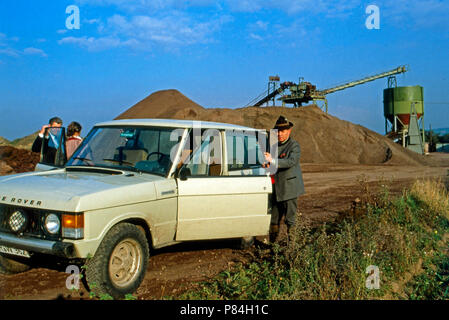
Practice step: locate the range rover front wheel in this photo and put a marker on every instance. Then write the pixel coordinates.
(120, 263)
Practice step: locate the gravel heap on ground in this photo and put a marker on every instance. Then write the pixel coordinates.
(323, 138)
(13, 160)
(166, 104)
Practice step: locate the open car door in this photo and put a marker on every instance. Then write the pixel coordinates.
(53, 151)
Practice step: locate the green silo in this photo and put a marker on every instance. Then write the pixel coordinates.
(404, 109)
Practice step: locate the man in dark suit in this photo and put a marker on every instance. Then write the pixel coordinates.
(288, 182)
(50, 141)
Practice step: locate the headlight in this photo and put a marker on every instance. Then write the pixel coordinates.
(52, 223)
(18, 221)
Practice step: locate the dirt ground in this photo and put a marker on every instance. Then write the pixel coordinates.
(331, 189)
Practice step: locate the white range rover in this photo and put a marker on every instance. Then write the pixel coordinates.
(131, 186)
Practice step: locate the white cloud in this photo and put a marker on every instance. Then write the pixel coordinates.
(245, 5)
(91, 21)
(15, 53)
(425, 12)
(94, 44)
(10, 52)
(255, 30)
(7, 48)
(262, 24)
(293, 7)
(35, 52)
(416, 14)
(144, 24)
(255, 37)
(175, 29)
(153, 5)
(5, 40)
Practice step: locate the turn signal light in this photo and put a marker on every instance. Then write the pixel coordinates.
(73, 226)
(72, 221)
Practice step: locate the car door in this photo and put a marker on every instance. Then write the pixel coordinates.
(213, 204)
(53, 149)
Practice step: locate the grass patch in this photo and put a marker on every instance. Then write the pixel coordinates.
(330, 262)
(433, 283)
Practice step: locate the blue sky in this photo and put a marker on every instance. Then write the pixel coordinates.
(218, 53)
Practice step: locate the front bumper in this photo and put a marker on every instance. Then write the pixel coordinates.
(57, 248)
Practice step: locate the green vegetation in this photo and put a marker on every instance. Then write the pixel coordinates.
(405, 237)
(433, 283)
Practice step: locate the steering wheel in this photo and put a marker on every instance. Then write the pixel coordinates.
(161, 155)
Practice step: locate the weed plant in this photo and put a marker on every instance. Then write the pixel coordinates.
(396, 234)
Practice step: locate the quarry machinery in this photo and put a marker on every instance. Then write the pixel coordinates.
(304, 92)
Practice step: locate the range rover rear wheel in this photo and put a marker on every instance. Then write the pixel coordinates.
(10, 266)
(120, 263)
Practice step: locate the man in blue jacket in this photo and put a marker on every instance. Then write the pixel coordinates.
(288, 182)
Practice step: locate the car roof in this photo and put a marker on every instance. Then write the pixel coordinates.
(173, 123)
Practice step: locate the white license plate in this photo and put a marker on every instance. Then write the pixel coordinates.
(14, 251)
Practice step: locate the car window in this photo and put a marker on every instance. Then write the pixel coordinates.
(244, 153)
(206, 159)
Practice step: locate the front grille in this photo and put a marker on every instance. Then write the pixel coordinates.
(34, 224)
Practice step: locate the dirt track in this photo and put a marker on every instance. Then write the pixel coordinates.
(330, 189)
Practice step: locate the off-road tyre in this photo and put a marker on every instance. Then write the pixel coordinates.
(10, 266)
(123, 240)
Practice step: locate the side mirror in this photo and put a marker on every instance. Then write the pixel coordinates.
(184, 173)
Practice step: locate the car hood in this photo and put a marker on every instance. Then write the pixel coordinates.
(81, 190)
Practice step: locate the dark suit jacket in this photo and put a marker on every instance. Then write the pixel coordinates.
(37, 144)
(288, 178)
(49, 152)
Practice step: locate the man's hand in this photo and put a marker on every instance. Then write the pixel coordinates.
(268, 157)
(43, 129)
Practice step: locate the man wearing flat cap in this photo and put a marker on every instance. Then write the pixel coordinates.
(288, 182)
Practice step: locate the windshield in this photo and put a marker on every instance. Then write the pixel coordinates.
(130, 148)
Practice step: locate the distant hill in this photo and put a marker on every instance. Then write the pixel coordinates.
(25, 142)
(4, 142)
